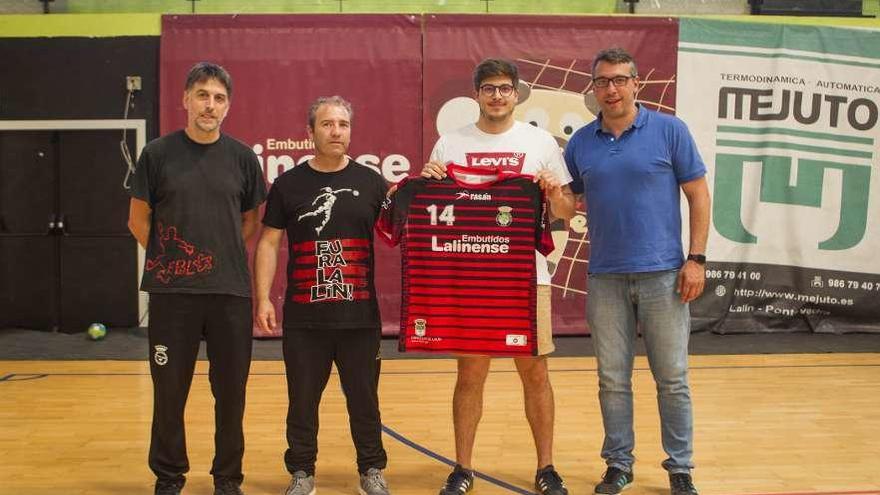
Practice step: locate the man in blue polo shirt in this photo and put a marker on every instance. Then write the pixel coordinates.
(631, 164)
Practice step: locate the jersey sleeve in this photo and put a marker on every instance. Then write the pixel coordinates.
(543, 238)
(381, 189)
(570, 157)
(275, 215)
(254, 191)
(438, 153)
(141, 180)
(686, 160)
(392, 217)
(556, 162)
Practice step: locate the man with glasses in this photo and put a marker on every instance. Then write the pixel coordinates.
(497, 140)
(631, 164)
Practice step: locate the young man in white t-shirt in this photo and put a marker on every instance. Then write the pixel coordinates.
(497, 140)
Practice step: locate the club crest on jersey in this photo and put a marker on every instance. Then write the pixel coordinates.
(472, 196)
(160, 355)
(420, 326)
(510, 161)
(504, 218)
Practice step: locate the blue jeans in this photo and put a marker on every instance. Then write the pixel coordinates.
(618, 305)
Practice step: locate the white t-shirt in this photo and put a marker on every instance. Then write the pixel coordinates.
(523, 149)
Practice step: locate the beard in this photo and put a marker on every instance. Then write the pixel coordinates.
(496, 117)
(208, 126)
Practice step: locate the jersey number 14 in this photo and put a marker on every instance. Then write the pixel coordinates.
(446, 216)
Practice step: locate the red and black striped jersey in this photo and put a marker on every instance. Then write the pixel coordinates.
(468, 247)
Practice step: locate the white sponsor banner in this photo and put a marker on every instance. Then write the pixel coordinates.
(786, 118)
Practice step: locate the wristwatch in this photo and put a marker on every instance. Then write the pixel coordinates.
(699, 259)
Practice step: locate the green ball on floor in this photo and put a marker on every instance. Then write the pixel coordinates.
(97, 331)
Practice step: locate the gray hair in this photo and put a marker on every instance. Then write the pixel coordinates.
(335, 100)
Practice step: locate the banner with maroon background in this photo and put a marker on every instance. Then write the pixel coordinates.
(409, 79)
(554, 55)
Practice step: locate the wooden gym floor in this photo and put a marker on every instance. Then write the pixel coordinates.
(764, 424)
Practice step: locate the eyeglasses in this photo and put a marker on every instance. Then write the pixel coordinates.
(504, 90)
(618, 81)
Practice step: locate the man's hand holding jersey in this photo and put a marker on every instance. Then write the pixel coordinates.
(559, 196)
(434, 170)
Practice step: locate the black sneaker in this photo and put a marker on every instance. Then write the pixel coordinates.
(681, 484)
(168, 487)
(460, 481)
(225, 486)
(614, 481)
(548, 482)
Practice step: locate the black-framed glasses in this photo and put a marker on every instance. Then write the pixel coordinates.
(504, 90)
(617, 81)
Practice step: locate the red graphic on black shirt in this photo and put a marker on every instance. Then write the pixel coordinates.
(177, 258)
(331, 270)
(508, 161)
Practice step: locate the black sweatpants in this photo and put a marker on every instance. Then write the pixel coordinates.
(177, 324)
(308, 356)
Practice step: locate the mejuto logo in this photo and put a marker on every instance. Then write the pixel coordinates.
(504, 159)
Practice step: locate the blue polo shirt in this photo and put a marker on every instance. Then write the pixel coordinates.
(631, 186)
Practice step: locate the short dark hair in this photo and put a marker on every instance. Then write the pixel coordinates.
(616, 55)
(492, 67)
(335, 100)
(203, 71)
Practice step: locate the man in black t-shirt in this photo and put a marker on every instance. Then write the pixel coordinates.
(194, 202)
(328, 208)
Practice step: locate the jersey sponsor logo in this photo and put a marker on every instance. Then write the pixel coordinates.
(473, 196)
(415, 339)
(330, 284)
(177, 258)
(490, 244)
(504, 159)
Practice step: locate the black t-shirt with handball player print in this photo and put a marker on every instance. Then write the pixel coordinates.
(329, 219)
(197, 194)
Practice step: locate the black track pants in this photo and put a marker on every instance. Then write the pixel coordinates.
(308, 356)
(177, 324)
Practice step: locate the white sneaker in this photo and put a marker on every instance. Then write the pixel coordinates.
(373, 483)
(301, 484)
